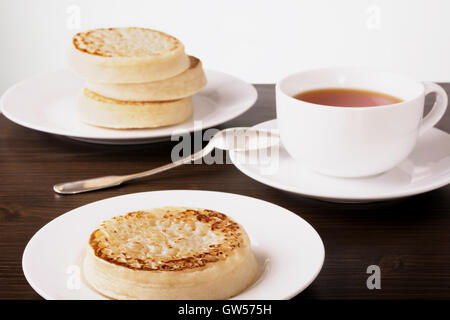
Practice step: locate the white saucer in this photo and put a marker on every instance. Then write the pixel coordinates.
(427, 168)
(289, 251)
(47, 103)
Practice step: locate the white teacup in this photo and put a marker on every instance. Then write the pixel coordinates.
(354, 141)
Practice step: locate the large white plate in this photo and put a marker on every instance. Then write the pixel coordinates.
(47, 103)
(289, 250)
(426, 168)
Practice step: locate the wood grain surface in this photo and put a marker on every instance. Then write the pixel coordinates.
(409, 238)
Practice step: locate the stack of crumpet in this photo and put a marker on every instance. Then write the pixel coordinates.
(136, 78)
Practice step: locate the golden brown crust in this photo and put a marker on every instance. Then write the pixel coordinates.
(99, 98)
(125, 42)
(193, 62)
(217, 237)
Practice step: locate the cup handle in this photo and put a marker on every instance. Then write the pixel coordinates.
(439, 107)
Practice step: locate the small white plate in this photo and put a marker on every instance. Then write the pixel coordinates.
(289, 251)
(47, 103)
(426, 168)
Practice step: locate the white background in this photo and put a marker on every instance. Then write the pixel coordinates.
(259, 41)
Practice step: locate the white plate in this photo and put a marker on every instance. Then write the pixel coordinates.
(289, 251)
(426, 168)
(47, 103)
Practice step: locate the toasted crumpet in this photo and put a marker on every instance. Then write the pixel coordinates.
(170, 253)
(101, 111)
(126, 55)
(180, 86)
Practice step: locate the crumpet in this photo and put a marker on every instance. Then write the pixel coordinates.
(182, 85)
(101, 111)
(126, 55)
(170, 253)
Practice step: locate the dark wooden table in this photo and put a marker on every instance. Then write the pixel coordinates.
(409, 238)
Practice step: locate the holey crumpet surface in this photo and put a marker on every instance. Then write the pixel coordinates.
(170, 253)
(126, 55)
